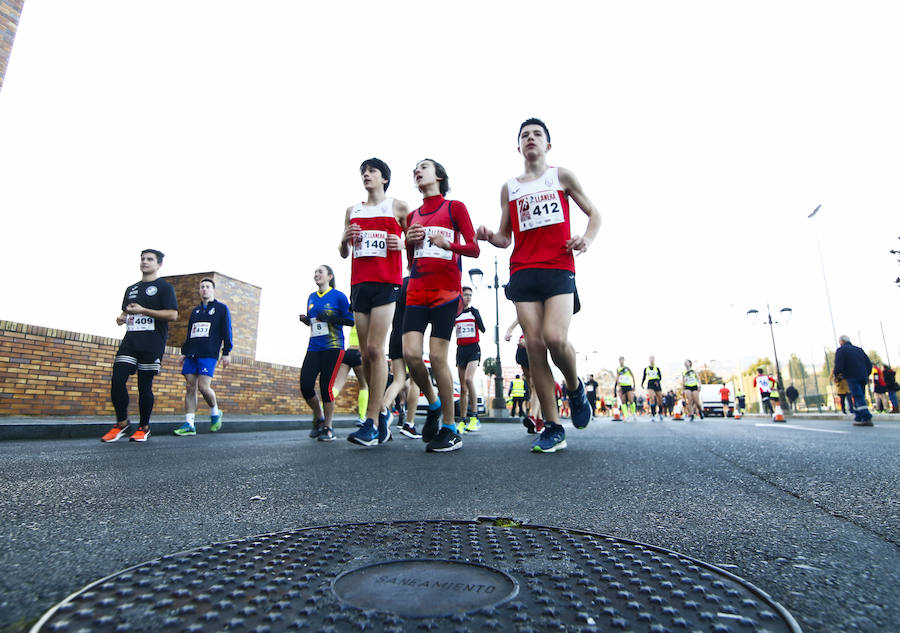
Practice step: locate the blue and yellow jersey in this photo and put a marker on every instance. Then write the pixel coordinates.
(324, 335)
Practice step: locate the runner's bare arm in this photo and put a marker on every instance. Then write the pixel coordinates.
(574, 190)
(512, 328)
(401, 211)
(502, 237)
(349, 234)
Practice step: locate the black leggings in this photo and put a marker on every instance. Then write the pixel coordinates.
(323, 365)
(119, 392)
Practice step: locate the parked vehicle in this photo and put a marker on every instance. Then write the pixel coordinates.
(422, 406)
(712, 399)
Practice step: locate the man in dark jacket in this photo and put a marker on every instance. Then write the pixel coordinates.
(208, 332)
(852, 363)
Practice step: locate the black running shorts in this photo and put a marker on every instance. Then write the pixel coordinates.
(539, 284)
(371, 294)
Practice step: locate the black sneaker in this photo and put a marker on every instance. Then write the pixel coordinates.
(316, 429)
(528, 423)
(326, 434)
(445, 442)
(432, 425)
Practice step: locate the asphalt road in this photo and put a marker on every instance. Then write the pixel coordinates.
(808, 512)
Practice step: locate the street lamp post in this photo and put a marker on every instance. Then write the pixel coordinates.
(787, 312)
(498, 404)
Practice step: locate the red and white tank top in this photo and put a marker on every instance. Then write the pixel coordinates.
(539, 212)
(372, 261)
(466, 328)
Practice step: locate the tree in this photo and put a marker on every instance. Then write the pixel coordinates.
(797, 369)
(489, 366)
(763, 362)
(875, 357)
(709, 377)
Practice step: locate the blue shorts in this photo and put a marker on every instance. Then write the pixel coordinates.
(199, 365)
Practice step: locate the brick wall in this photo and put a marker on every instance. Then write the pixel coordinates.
(49, 372)
(10, 10)
(241, 298)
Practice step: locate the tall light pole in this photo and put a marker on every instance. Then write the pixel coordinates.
(498, 404)
(824, 278)
(787, 313)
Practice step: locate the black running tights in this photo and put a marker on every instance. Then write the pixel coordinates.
(119, 392)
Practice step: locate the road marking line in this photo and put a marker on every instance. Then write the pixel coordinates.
(801, 428)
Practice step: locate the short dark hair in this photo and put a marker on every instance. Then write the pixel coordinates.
(533, 121)
(159, 254)
(759, 370)
(209, 280)
(441, 173)
(466, 288)
(330, 272)
(380, 165)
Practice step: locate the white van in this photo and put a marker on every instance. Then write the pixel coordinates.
(712, 399)
(422, 406)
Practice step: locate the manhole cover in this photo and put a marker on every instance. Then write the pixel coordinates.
(425, 587)
(460, 576)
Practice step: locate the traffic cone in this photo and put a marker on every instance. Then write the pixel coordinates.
(617, 415)
(779, 414)
(737, 415)
(679, 410)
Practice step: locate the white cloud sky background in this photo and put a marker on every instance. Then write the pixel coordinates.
(229, 135)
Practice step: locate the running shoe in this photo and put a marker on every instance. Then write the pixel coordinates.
(384, 427)
(538, 425)
(445, 441)
(552, 439)
(360, 422)
(581, 408)
(186, 429)
(215, 422)
(114, 433)
(409, 430)
(528, 423)
(474, 425)
(140, 435)
(366, 435)
(432, 425)
(316, 429)
(326, 434)
(460, 427)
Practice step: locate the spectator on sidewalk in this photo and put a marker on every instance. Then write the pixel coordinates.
(843, 392)
(890, 377)
(792, 395)
(852, 364)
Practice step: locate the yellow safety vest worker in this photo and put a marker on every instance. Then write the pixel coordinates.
(518, 388)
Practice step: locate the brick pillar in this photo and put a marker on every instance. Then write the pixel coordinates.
(240, 297)
(10, 10)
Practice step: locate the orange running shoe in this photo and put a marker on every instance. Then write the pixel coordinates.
(140, 435)
(114, 433)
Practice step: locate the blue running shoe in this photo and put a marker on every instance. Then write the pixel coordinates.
(215, 423)
(366, 435)
(581, 408)
(384, 427)
(186, 429)
(552, 439)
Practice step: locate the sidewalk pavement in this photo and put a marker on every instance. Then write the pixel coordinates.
(62, 427)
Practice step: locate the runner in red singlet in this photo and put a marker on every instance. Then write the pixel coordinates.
(372, 235)
(434, 244)
(535, 218)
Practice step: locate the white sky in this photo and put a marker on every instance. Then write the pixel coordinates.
(229, 134)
